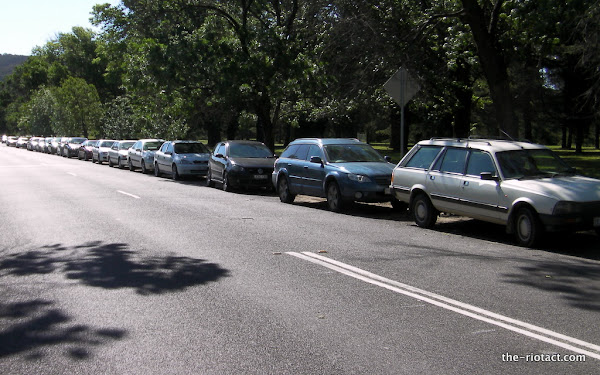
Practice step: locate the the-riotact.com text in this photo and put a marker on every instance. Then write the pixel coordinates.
(544, 357)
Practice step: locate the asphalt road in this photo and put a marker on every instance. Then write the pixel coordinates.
(107, 271)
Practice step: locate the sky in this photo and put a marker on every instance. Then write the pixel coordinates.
(25, 24)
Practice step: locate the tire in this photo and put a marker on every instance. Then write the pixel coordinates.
(110, 163)
(143, 165)
(334, 197)
(131, 167)
(85, 158)
(225, 184)
(156, 170)
(119, 163)
(209, 181)
(174, 174)
(424, 213)
(528, 228)
(283, 190)
(99, 160)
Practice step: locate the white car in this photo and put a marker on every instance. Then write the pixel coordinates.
(524, 186)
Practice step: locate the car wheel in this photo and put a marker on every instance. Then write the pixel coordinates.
(209, 181)
(174, 174)
(143, 165)
(131, 168)
(283, 189)
(225, 184)
(110, 163)
(156, 170)
(334, 197)
(99, 160)
(78, 156)
(528, 228)
(119, 163)
(85, 157)
(424, 213)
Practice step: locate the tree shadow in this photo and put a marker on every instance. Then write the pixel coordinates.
(578, 244)
(381, 211)
(113, 266)
(36, 324)
(574, 282)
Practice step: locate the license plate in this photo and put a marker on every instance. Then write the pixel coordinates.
(597, 221)
(260, 176)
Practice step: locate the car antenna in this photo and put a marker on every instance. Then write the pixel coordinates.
(506, 134)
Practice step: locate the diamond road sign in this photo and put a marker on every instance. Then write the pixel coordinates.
(401, 87)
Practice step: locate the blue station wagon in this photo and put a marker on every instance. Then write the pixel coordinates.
(340, 170)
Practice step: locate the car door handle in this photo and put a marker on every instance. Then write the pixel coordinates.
(306, 167)
(289, 164)
(432, 177)
(465, 183)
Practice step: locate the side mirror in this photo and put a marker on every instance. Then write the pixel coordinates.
(219, 155)
(488, 176)
(388, 159)
(316, 160)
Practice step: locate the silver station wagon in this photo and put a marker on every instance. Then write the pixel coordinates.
(524, 186)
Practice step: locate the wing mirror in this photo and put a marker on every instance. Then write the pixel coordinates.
(316, 160)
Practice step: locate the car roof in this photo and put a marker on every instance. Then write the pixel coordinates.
(491, 145)
(327, 141)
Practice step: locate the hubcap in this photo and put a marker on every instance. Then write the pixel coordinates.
(524, 227)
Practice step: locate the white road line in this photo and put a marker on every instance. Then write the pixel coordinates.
(474, 312)
(128, 194)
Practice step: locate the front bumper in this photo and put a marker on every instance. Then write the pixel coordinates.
(251, 178)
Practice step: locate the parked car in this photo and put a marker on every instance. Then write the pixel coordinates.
(521, 185)
(22, 142)
(52, 149)
(44, 145)
(11, 141)
(236, 164)
(182, 158)
(72, 146)
(118, 153)
(141, 154)
(61, 144)
(341, 170)
(32, 143)
(4, 138)
(100, 150)
(84, 152)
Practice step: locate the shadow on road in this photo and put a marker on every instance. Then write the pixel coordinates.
(35, 325)
(113, 266)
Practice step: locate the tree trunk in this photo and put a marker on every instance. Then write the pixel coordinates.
(494, 66)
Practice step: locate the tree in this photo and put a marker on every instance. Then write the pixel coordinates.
(78, 109)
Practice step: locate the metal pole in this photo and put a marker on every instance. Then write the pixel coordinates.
(401, 132)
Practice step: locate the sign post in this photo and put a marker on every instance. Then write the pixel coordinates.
(401, 87)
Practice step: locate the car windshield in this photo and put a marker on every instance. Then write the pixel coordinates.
(538, 163)
(351, 153)
(247, 150)
(125, 145)
(77, 140)
(190, 148)
(152, 146)
(106, 143)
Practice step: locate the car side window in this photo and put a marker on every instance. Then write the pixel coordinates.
(423, 158)
(314, 150)
(163, 148)
(454, 161)
(480, 162)
(136, 145)
(170, 147)
(290, 152)
(302, 152)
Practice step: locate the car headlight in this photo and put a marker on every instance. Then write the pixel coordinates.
(237, 168)
(358, 177)
(565, 208)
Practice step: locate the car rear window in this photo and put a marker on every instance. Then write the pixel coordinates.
(424, 156)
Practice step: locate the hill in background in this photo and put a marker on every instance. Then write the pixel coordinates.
(8, 63)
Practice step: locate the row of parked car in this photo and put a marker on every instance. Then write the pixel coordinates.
(523, 186)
